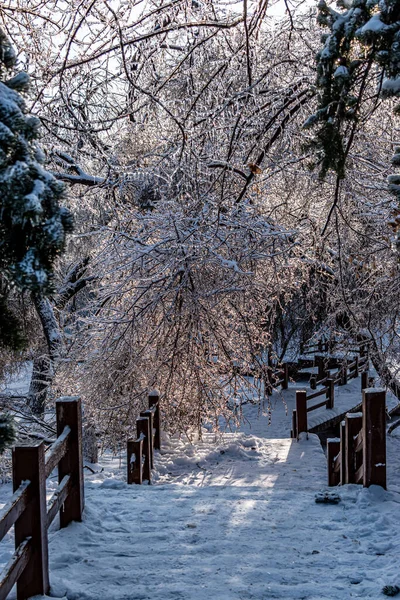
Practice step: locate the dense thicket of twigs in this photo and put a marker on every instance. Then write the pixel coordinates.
(204, 241)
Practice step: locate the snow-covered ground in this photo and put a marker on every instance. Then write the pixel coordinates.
(236, 519)
(230, 518)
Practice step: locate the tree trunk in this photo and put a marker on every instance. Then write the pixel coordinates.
(90, 447)
(39, 385)
(44, 365)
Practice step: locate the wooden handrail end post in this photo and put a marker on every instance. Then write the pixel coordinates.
(374, 436)
(301, 412)
(154, 400)
(330, 393)
(332, 450)
(344, 373)
(29, 464)
(69, 413)
(353, 425)
(364, 380)
(342, 452)
(143, 427)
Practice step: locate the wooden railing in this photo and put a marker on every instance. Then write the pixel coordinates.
(312, 348)
(334, 345)
(359, 456)
(27, 509)
(347, 371)
(299, 416)
(140, 452)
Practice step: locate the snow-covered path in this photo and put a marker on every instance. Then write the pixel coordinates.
(230, 518)
(237, 524)
(234, 519)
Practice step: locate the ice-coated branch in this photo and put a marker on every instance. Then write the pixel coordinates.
(78, 176)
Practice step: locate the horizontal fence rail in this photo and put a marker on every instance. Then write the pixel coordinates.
(27, 509)
(360, 454)
(140, 452)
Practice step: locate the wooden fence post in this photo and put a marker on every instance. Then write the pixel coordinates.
(150, 416)
(154, 399)
(374, 435)
(301, 411)
(344, 373)
(332, 450)
(356, 369)
(134, 461)
(330, 394)
(69, 413)
(364, 380)
(313, 382)
(28, 464)
(293, 433)
(285, 382)
(320, 363)
(353, 425)
(89, 443)
(143, 427)
(342, 451)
